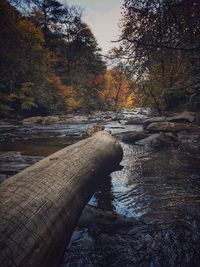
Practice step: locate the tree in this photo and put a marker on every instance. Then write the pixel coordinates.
(161, 40)
(115, 92)
(50, 59)
(25, 64)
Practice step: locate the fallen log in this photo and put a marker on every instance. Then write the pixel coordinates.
(40, 206)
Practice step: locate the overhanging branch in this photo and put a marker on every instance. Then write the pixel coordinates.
(157, 45)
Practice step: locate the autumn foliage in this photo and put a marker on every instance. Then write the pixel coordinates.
(115, 93)
(51, 63)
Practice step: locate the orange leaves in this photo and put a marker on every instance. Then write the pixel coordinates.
(116, 92)
(99, 80)
(67, 94)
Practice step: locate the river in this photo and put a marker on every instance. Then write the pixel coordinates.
(156, 196)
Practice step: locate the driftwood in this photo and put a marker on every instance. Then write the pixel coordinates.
(41, 205)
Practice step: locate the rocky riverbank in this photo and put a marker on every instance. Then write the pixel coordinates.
(179, 130)
(146, 214)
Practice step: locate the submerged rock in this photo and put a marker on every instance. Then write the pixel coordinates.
(97, 220)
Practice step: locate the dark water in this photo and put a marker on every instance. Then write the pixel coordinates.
(158, 190)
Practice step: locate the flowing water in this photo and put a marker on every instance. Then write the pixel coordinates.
(156, 197)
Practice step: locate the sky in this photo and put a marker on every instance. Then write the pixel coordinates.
(103, 17)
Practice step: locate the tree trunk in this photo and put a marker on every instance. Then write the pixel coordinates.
(41, 205)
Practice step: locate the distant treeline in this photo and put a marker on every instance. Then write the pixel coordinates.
(50, 62)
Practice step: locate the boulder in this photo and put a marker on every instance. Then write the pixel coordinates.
(132, 137)
(160, 140)
(148, 140)
(165, 126)
(147, 122)
(32, 120)
(165, 140)
(184, 117)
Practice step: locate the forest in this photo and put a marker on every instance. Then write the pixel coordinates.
(100, 133)
(51, 62)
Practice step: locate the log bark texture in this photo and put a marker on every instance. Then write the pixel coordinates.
(40, 206)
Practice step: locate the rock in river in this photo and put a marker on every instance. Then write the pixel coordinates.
(165, 126)
(184, 117)
(190, 143)
(159, 140)
(132, 137)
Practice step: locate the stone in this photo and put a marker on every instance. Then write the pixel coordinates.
(148, 140)
(132, 137)
(184, 117)
(95, 216)
(160, 140)
(151, 120)
(165, 126)
(165, 140)
(32, 120)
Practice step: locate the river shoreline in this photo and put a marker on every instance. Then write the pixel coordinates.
(146, 214)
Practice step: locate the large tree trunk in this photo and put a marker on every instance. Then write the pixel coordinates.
(41, 205)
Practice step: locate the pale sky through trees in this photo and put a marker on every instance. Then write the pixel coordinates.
(103, 17)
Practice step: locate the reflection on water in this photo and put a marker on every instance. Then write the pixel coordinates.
(152, 180)
(38, 146)
(159, 190)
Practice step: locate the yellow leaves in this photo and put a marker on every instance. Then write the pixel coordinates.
(116, 89)
(130, 101)
(30, 32)
(67, 94)
(25, 95)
